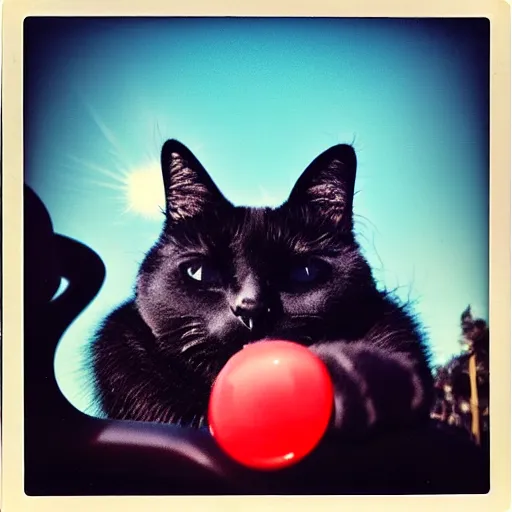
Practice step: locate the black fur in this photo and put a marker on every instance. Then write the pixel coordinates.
(156, 357)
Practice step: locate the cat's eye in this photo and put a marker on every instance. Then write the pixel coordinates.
(303, 273)
(195, 272)
(307, 272)
(202, 272)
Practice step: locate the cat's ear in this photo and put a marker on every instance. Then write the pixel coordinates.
(327, 186)
(189, 189)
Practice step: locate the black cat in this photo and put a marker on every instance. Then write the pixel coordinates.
(222, 276)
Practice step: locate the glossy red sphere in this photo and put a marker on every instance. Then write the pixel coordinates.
(271, 404)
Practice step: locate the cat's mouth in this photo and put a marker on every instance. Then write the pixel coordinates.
(248, 321)
(304, 330)
(255, 327)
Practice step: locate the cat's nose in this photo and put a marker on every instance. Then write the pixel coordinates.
(249, 306)
(250, 312)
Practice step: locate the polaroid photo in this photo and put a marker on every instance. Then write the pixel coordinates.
(256, 256)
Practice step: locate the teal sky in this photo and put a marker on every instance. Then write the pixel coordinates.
(256, 100)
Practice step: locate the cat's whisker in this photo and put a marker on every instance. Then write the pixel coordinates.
(191, 344)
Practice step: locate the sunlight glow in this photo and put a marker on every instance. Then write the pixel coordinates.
(144, 191)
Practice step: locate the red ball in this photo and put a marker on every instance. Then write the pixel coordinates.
(271, 404)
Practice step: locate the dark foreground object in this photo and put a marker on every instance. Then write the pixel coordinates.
(69, 453)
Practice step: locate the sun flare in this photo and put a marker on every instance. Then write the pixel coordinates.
(144, 191)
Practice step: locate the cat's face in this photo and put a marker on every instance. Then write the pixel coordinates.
(223, 276)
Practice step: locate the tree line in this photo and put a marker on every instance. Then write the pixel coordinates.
(462, 384)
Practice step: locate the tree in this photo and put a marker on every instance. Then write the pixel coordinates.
(462, 384)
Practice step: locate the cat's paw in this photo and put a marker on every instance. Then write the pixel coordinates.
(371, 386)
(354, 409)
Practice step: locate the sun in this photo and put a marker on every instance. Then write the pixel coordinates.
(144, 192)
